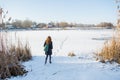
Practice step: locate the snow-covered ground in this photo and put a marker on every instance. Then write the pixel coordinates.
(84, 43)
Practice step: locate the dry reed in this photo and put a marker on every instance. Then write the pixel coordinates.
(10, 57)
(71, 54)
(111, 50)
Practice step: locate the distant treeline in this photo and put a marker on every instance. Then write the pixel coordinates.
(31, 24)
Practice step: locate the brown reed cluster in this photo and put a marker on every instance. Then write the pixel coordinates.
(11, 57)
(111, 51)
(71, 54)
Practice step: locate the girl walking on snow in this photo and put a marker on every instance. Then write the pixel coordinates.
(48, 46)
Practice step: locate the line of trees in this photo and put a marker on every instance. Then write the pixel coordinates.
(105, 24)
(31, 24)
(22, 24)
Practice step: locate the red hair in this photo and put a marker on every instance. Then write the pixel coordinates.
(48, 40)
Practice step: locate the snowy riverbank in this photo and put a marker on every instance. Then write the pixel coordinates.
(81, 67)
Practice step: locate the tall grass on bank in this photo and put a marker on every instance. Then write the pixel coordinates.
(22, 52)
(111, 51)
(10, 64)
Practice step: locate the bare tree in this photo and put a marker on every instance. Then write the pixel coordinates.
(63, 24)
(27, 23)
(105, 24)
(17, 23)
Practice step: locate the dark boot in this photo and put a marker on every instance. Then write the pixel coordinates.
(45, 61)
(50, 62)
